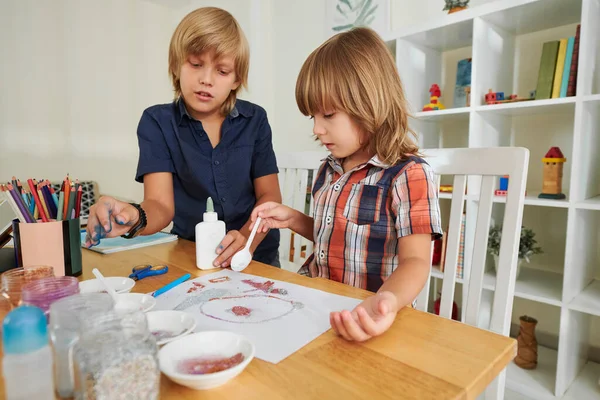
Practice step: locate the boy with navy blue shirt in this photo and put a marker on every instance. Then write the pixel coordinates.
(206, 143)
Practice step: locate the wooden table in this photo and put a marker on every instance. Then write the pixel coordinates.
(422, 356)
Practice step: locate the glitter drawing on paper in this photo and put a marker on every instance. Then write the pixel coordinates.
(278, 317)
(249, 309)
(266, 286)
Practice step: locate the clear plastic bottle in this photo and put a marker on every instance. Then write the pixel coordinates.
(27, 361)
(209, 233)
(65, 320)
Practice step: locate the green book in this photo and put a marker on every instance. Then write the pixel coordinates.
(547, 69)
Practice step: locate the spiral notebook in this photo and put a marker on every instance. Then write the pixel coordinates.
(113, 245)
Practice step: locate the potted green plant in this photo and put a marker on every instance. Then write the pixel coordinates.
(527, 245)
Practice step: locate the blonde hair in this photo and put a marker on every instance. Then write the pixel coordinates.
(206, 29)
(354, 72)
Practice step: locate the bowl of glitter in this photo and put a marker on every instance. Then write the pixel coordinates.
(205, 360)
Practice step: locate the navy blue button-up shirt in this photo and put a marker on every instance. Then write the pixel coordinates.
(170, 140)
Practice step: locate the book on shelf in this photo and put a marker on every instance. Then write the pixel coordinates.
(557, 74)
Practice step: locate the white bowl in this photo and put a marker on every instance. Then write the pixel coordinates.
(118, 283)
(128, 302)
(167, 326)
(203, 345)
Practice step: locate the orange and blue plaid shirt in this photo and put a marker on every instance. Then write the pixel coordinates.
(360, 215)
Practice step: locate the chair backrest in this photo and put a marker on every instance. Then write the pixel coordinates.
(481, 167)
(297, 171)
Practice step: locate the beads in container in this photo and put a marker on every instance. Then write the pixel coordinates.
(116, 358)
(65, 318)
(14, 279)
(43, 292)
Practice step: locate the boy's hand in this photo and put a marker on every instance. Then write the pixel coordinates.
(370, 318)
(109, 218)
(274, 216)
(233, 242)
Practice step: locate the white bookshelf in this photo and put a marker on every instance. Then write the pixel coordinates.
(561, 287)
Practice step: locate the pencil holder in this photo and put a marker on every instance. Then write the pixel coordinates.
(54, 243)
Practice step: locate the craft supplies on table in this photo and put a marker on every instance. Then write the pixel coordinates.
(278, 317)
(43, 292)
(116, 358)
(14, 279)
(143, 271)
(116, 244)
(171, 285)
(64, 326)
(27, 359)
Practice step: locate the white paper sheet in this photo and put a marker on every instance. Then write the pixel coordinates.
(278, 317)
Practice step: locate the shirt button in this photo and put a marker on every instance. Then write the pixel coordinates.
(336, 187)
(223, 199)
(328, 219)
(217, 162)
(322, 254)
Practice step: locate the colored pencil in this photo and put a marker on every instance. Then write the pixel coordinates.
(38, 203)
(12, 204)
(20, 204)
(61, 203)
(171, 285)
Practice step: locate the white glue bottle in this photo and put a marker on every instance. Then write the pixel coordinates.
(27, 362)
(209, 234)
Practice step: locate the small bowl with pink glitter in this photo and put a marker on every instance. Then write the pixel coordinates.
(205, 360)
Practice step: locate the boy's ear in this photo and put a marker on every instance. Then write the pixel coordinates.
(235, 85)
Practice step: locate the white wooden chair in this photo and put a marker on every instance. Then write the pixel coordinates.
(297, 171)
(482, 167)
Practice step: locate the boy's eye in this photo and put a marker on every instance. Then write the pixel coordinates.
(224, 72)
(194, 64)
(328, 115)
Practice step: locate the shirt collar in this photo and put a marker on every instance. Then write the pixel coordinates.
(238, 109)
(336, 164)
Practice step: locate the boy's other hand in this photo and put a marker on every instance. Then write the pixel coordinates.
(370, 318)
(109, 218)
(233, 242)
(273, 215)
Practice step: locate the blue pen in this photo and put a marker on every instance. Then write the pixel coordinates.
(171, 285)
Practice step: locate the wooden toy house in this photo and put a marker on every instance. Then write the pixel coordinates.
(553, 172)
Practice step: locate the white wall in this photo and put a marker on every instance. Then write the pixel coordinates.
(75, 78)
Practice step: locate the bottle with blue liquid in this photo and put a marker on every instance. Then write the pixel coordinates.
(27, 362)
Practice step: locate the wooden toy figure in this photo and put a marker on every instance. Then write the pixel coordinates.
(553, 172)
(434, 95)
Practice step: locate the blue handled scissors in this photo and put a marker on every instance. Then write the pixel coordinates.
(144, 271)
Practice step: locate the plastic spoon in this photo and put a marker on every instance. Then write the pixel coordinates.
(109, 289)
(242, 258)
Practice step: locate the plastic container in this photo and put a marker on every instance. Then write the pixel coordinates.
(209, 234)
(116, 358)
(66, 315)
(27, 361)
(43, 292)
(14, 279)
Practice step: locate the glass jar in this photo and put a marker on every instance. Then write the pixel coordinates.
(65, 318)
(43, 292)
(116, 358)
(14, 279)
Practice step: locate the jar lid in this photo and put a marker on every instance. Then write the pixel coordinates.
(24, 330)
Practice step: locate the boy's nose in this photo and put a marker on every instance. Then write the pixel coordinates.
(206, 78)
(318, 129)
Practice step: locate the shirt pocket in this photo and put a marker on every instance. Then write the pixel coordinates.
(363, 206)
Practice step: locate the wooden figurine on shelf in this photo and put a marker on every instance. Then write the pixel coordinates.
(434, 94)
(468, 93)
(502, 190)
(554, 161)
